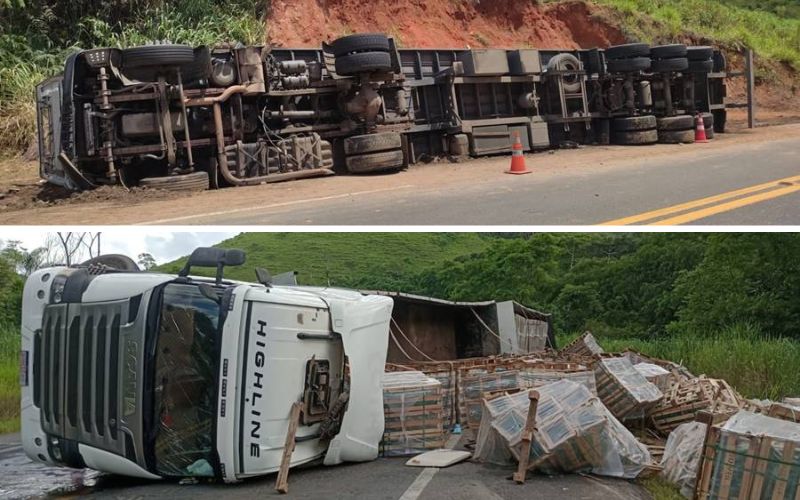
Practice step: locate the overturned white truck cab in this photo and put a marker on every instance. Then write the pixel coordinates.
(163, 376)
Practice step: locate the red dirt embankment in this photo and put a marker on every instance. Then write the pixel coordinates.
(502, 24)
(444, 23)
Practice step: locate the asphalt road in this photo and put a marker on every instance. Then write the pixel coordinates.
(742, 178)
(385, 478)
(740, 184)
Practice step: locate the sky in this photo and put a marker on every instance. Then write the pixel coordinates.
(164, 246)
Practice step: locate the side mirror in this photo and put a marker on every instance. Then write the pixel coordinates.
(213, 257)
(263, 277)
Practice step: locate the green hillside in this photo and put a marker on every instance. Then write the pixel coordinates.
(772, 30)
(366, 260)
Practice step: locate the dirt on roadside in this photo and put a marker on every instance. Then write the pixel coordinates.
(21, 189)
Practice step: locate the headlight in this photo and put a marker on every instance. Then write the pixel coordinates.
(57, 289)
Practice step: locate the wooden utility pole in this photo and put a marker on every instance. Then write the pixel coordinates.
(750, 74)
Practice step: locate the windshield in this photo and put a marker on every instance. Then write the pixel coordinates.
(184, 382)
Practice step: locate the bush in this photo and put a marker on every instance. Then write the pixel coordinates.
(9, 378)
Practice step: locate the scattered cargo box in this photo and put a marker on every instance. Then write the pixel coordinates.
(750, 456)
(624, 390)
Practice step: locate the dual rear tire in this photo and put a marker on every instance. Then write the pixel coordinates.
(362, 53)
(634, 131)
(374, 153)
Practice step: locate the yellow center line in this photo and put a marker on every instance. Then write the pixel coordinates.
(724, 207)
(654, 214)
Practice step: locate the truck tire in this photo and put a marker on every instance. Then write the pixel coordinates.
(362, 42)
(720, 119)
(628, 50)
(699, 53)
(668, 51)
(372, 143)
(666, 65)
(375, 162)
(196, 181)
(634, 123)
(635, 138)
(701, 66)
(676, 136)
(708, 124)
(157, 55)
(114, 261)
(566, 62)
(363, 62)
(720, 62)
(629, 65)
(683, 122)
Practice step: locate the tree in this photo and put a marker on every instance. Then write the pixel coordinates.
(73, 247)
(25, 262)
(146, 261)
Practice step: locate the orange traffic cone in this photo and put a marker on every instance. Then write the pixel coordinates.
(700, 129)
(517, 158)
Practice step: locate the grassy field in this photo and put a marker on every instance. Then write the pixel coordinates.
(9, 379)
(361, 260)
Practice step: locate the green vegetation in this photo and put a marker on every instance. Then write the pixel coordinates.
(37, 35)
(358, 260)
(772, 30)
(661, 489)
(9, 378)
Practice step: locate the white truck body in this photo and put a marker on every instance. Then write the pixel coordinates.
(141, 374)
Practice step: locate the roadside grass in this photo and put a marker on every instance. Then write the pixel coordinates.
(773, 37)
(9, 378)
(757, 365)
(661, 489)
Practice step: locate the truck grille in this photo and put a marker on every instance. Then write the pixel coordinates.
(78, 378)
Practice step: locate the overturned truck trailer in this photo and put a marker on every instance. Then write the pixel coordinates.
(172, 116)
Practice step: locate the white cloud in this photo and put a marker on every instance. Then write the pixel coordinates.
(163, 245)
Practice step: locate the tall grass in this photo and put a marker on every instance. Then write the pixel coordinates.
(9, 378)
(34, 45)
(758, 366)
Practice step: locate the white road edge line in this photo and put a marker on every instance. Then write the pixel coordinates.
(274, 205)
(418, 486)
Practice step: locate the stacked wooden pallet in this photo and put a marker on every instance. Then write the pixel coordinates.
(684, 399)
(626, 393)
(750, 456)
(413, 413)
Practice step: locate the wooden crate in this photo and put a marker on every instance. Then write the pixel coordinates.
(473, 383)
(533, 374)
(685, 399)
(761, 463)
(413, 413)
(624, 391)
(444, 372)
(585, 345)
